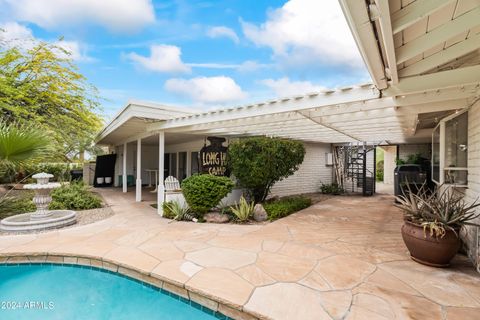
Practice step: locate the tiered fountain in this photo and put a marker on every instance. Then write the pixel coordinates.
(42, 218)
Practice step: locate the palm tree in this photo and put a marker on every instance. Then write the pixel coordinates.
(20, 144)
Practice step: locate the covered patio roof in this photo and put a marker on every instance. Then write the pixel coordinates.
(424, 59)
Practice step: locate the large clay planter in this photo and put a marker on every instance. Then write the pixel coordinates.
(429, 250)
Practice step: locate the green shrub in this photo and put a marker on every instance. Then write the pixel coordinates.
(259, 162)
(12, 205)
(283, 207)
(332, 188)
(203, 191)
(74, 196)
(60, 171)
(380, 170)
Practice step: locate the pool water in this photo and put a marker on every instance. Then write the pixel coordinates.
(47, 291)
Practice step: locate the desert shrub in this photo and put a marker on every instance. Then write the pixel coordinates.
(74, 196)
(259, 162)
(203, 191)
(283, 207)
(243, 210)
(11, 205)
(333, 188)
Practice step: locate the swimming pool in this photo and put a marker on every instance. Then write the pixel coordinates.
(47, 291)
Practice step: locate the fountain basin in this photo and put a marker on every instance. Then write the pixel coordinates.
(24, 223)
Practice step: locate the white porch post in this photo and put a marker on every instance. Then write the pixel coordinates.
(138, 184)
(124, 172)
(161, 178)
(189, 164)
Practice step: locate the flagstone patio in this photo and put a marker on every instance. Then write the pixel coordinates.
(342, 258)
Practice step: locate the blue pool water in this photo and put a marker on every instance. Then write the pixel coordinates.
(49, 291)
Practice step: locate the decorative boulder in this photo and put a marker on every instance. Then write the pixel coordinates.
(216, 217)
(259, 213)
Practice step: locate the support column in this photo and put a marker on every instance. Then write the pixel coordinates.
(138, 183)
(161, 167)
(188, 170)
(124, 171)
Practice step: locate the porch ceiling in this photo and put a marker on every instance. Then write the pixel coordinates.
(415, 38)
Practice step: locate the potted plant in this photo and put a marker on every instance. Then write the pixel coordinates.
(432, 223)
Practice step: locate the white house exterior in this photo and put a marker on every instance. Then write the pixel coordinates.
(424, 60)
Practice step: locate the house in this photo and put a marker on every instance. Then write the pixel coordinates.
(424, 60)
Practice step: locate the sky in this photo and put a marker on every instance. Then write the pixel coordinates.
(198, 54)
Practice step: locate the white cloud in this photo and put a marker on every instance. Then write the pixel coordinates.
(305, 32)
(163, 58)
(75, 50)
(207, 90)
(283, 87)
(15, 34)
(222, 31)
(115, 15)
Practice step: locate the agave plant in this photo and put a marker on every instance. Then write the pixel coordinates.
(438, 211)
(178, 210)
(243, 210)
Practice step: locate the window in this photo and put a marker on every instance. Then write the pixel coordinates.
(436, 155)
(450, 150)
(456, 145)
(182, 166)
(195, 167)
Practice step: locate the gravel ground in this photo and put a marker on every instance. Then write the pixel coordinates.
(83, 217)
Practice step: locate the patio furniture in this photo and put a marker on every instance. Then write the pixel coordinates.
(173, 192)
(155, 172)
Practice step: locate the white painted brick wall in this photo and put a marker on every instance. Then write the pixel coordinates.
(473, 191)
(310, 175)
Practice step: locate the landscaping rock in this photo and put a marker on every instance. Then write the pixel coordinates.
(216, 217)
(259, 213)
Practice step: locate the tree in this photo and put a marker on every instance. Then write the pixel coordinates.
(42, 86)
(258, 163)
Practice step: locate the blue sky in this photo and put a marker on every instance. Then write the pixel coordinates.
(200, 54)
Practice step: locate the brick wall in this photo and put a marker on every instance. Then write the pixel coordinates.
(473, 191)
(310, 175)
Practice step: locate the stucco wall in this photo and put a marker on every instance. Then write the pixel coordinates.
(473, 191)
(310, 175)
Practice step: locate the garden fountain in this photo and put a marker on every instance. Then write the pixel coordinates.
(42, 218)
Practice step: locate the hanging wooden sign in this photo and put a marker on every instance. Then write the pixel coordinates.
(213, 158)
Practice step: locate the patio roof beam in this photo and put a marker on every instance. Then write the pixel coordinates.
(436, 81)
(439, 35)
(329, 126)
(387, 35)
(434, 96)
(345, 96)
(415, 12)
(442, 57)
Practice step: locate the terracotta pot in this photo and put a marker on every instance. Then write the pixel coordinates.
(429, 250)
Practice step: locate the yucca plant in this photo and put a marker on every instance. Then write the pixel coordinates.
(438, 211)
(243, 210)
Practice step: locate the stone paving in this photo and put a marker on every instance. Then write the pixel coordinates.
(342, 258)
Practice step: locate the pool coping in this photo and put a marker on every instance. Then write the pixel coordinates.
(216, 305)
